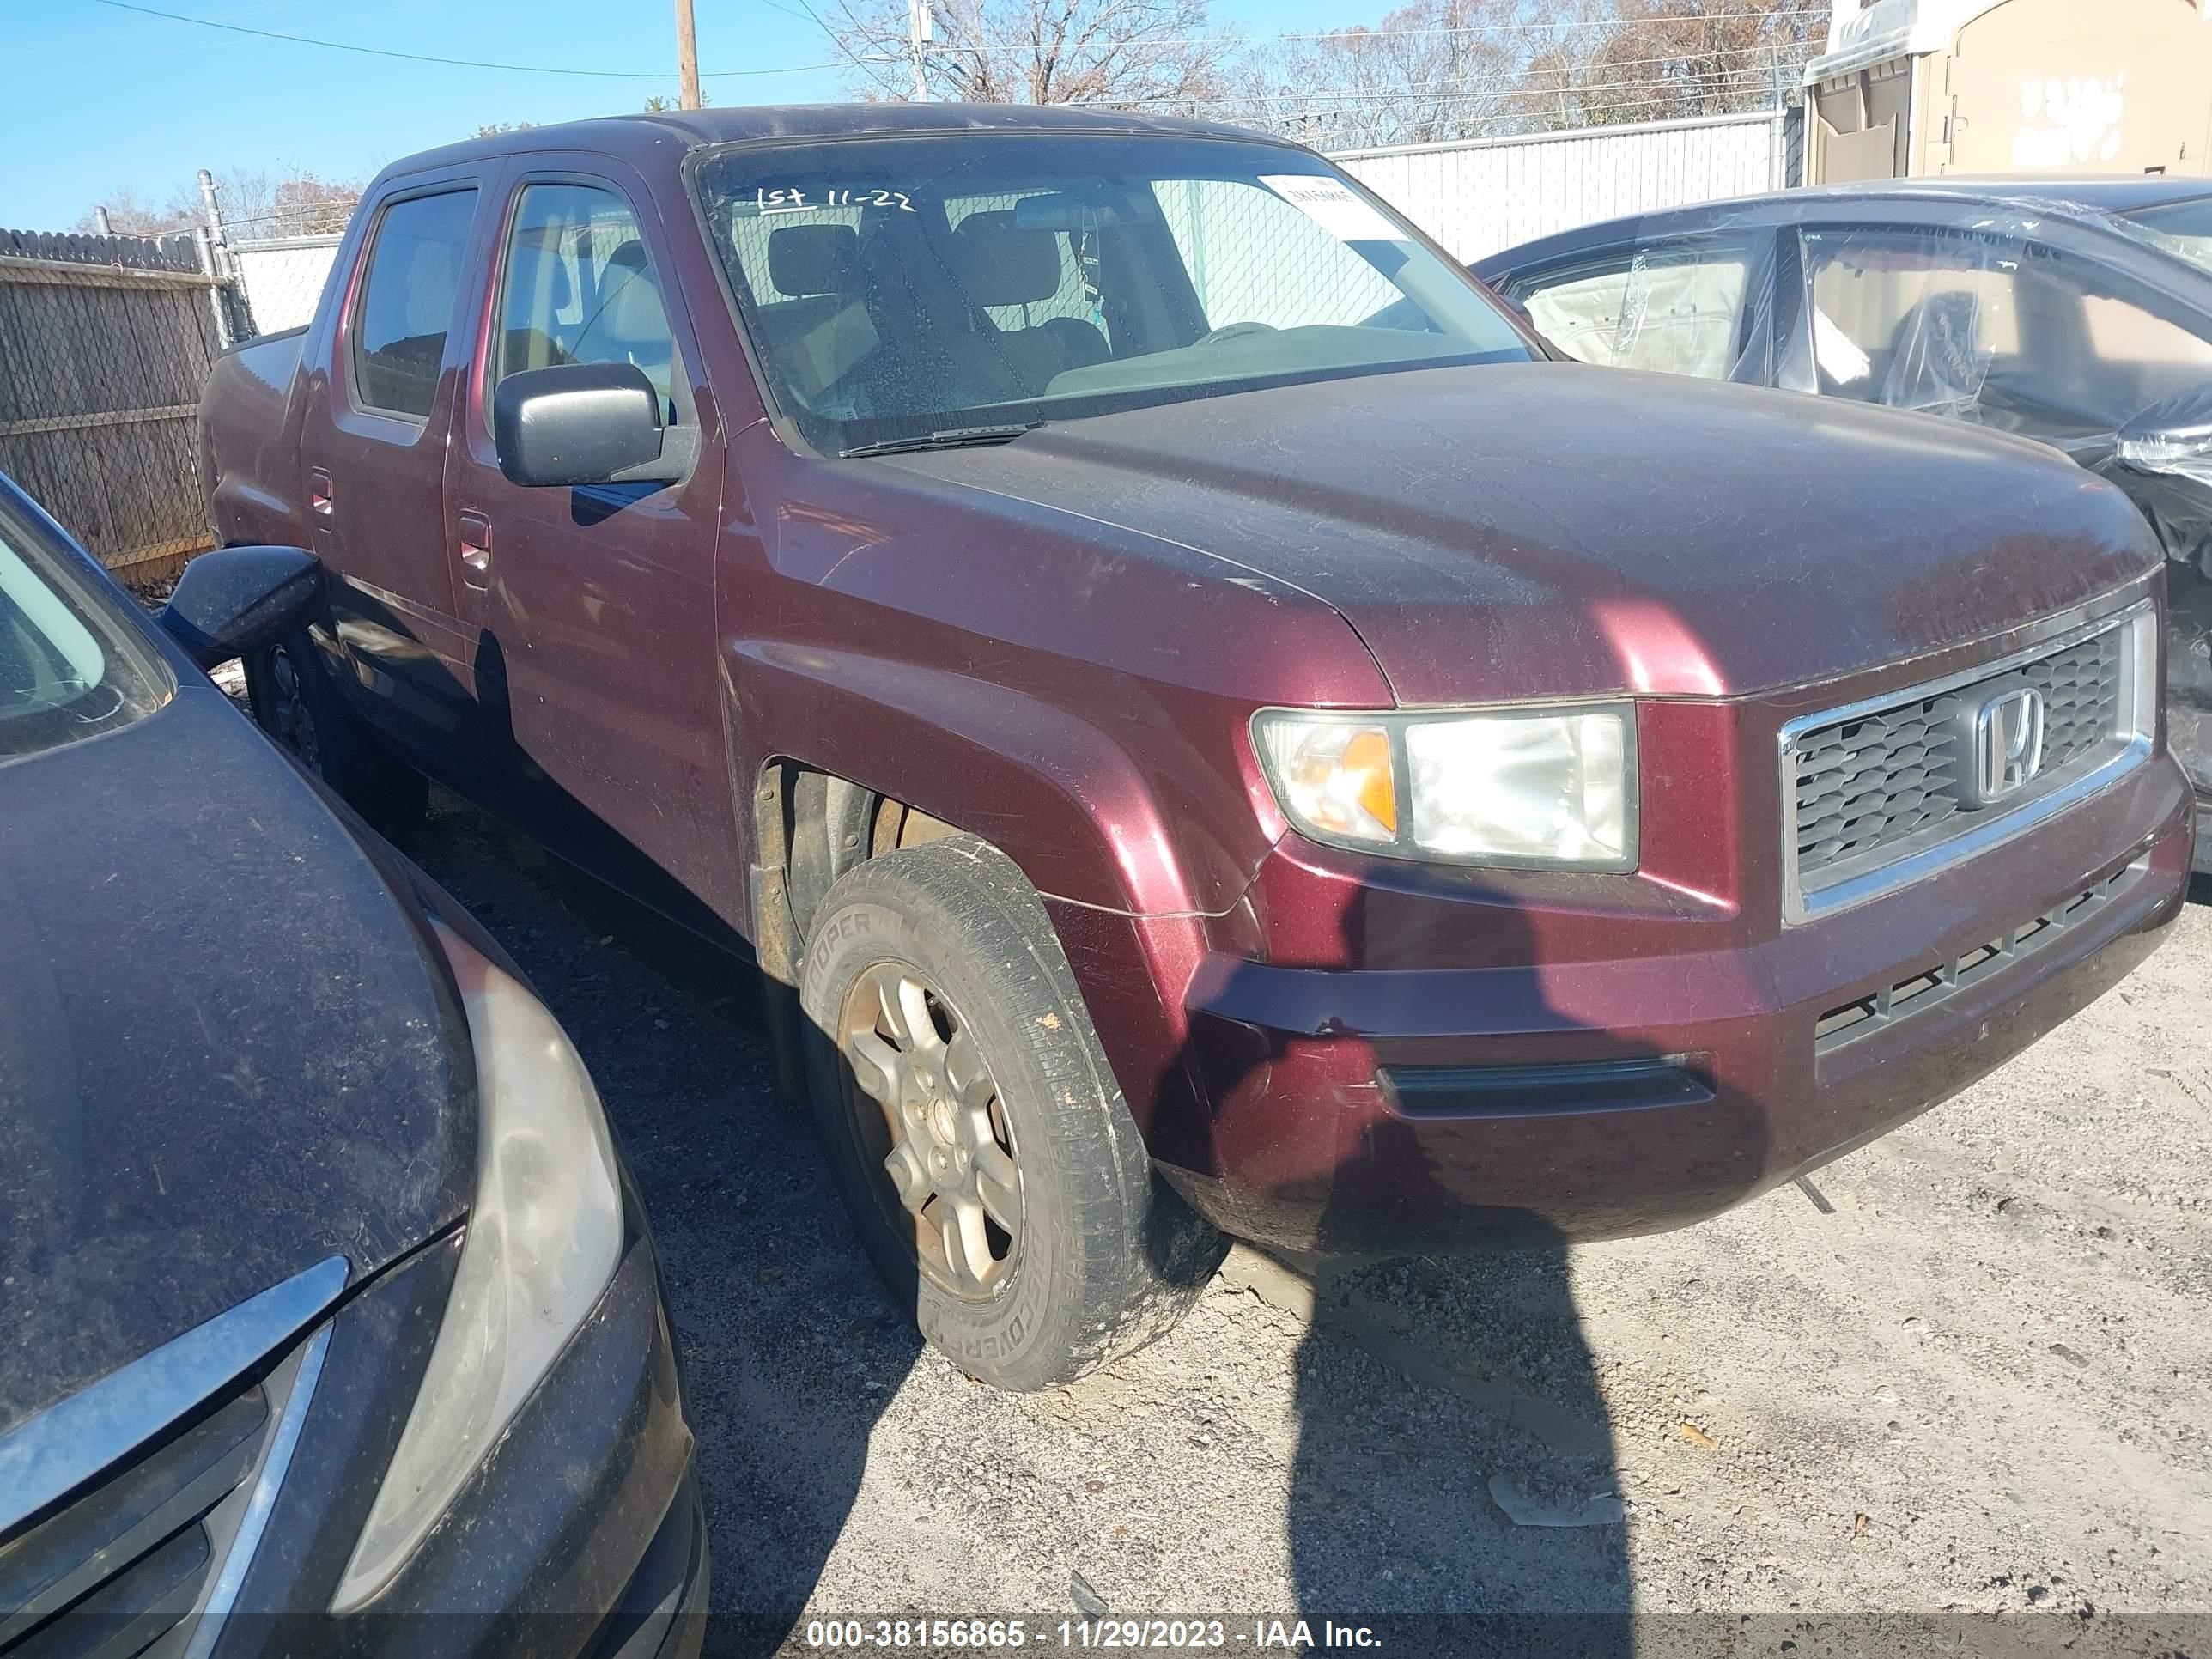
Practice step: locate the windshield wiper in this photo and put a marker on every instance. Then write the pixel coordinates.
(951, 437)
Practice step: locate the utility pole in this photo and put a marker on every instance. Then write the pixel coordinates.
(687, 57)
(917, 40)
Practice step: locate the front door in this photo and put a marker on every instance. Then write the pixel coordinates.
(591, 610)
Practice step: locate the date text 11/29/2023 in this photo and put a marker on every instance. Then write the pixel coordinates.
(1167, 1635)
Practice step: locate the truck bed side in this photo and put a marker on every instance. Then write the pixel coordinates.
(249, 442)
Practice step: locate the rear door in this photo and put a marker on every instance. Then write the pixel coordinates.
(591, 611)
(372, 457)
(1694, 304)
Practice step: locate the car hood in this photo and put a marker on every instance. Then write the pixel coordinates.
(1553, 530)
(224, 1055)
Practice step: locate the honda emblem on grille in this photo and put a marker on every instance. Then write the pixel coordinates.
(2007, 745)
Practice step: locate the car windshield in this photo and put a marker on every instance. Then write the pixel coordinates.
(960, 289)
(65, 671)
(2187, 227)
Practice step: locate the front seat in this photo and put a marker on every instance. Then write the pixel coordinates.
(1003, 267)
(631, 323)
(1935, 361)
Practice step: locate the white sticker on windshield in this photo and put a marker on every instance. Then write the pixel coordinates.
(1331, 205)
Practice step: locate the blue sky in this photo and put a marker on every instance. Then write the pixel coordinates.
(98, 98)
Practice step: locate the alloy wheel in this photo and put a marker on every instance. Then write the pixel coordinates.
(929, 1113)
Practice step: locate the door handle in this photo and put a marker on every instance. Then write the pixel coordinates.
(475, 549)
(319, 492)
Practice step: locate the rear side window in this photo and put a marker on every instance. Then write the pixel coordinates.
(579, 288)
(1676, 308)
(407, 300)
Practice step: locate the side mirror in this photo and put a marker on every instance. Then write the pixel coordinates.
(237, 599)
(586, 423)
(2171, 439)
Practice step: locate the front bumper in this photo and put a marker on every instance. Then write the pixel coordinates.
(581, 1534)
(1539, 1096)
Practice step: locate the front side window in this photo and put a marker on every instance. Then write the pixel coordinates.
(896, 286)
(407, 300)
(1674, 307)
(66, 670)
(1993, 328)
(580, 288)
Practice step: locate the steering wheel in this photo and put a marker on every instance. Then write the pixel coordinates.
(1232, 331)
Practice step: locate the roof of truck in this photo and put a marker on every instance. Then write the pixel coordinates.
(632, 135)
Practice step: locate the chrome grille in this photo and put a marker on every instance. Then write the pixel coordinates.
(1873, 785)
(130, 1509)
(1864, 783)
(128, 1558)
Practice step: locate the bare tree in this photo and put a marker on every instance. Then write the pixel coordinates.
(256, 204)
(1664, 59)
(1442, 69)
(129, 214)
(1431, 70)
(305, 205)
(1155, 54)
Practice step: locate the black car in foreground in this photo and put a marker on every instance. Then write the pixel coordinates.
(2077, 311)
(332, 1322)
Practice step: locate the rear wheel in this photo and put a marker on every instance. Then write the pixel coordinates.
(974, 1128)
(294, 702)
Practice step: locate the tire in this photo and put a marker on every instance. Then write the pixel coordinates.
(294, 702)
(1039, 1244)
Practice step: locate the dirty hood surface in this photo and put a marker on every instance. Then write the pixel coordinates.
(223, 1056)
(1548, 529)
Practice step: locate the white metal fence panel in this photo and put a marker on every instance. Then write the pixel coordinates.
(1486, 195)
(281, 281)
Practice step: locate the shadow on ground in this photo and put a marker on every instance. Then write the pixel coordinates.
(792, 1351)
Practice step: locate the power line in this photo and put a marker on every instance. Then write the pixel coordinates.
(451, 62)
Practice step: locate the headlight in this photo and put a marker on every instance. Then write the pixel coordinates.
(543, 1237)
(1539, 788)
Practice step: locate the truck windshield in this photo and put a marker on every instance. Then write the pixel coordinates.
(65, 673)
(913, 289)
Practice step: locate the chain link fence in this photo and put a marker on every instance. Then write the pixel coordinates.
(104, 345)
(278, 281)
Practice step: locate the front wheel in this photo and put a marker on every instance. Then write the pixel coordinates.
(975, 1129)
(294, 702)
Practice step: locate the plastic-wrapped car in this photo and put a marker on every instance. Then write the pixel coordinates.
(2075, 311)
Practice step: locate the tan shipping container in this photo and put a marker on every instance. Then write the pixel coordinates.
(1923, 88)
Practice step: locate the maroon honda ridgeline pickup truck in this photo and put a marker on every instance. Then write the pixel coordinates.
(1210, 727)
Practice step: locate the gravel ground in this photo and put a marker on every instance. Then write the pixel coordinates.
(1982, 1384)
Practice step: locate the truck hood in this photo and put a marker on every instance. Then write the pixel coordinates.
(224, 1054)
(1552, 530)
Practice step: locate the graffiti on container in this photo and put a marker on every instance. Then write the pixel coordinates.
(2066, 123)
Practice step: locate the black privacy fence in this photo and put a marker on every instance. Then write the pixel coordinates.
(105, 344)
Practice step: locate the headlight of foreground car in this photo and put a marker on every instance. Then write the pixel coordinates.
(1536, 788)
(543, 1238)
